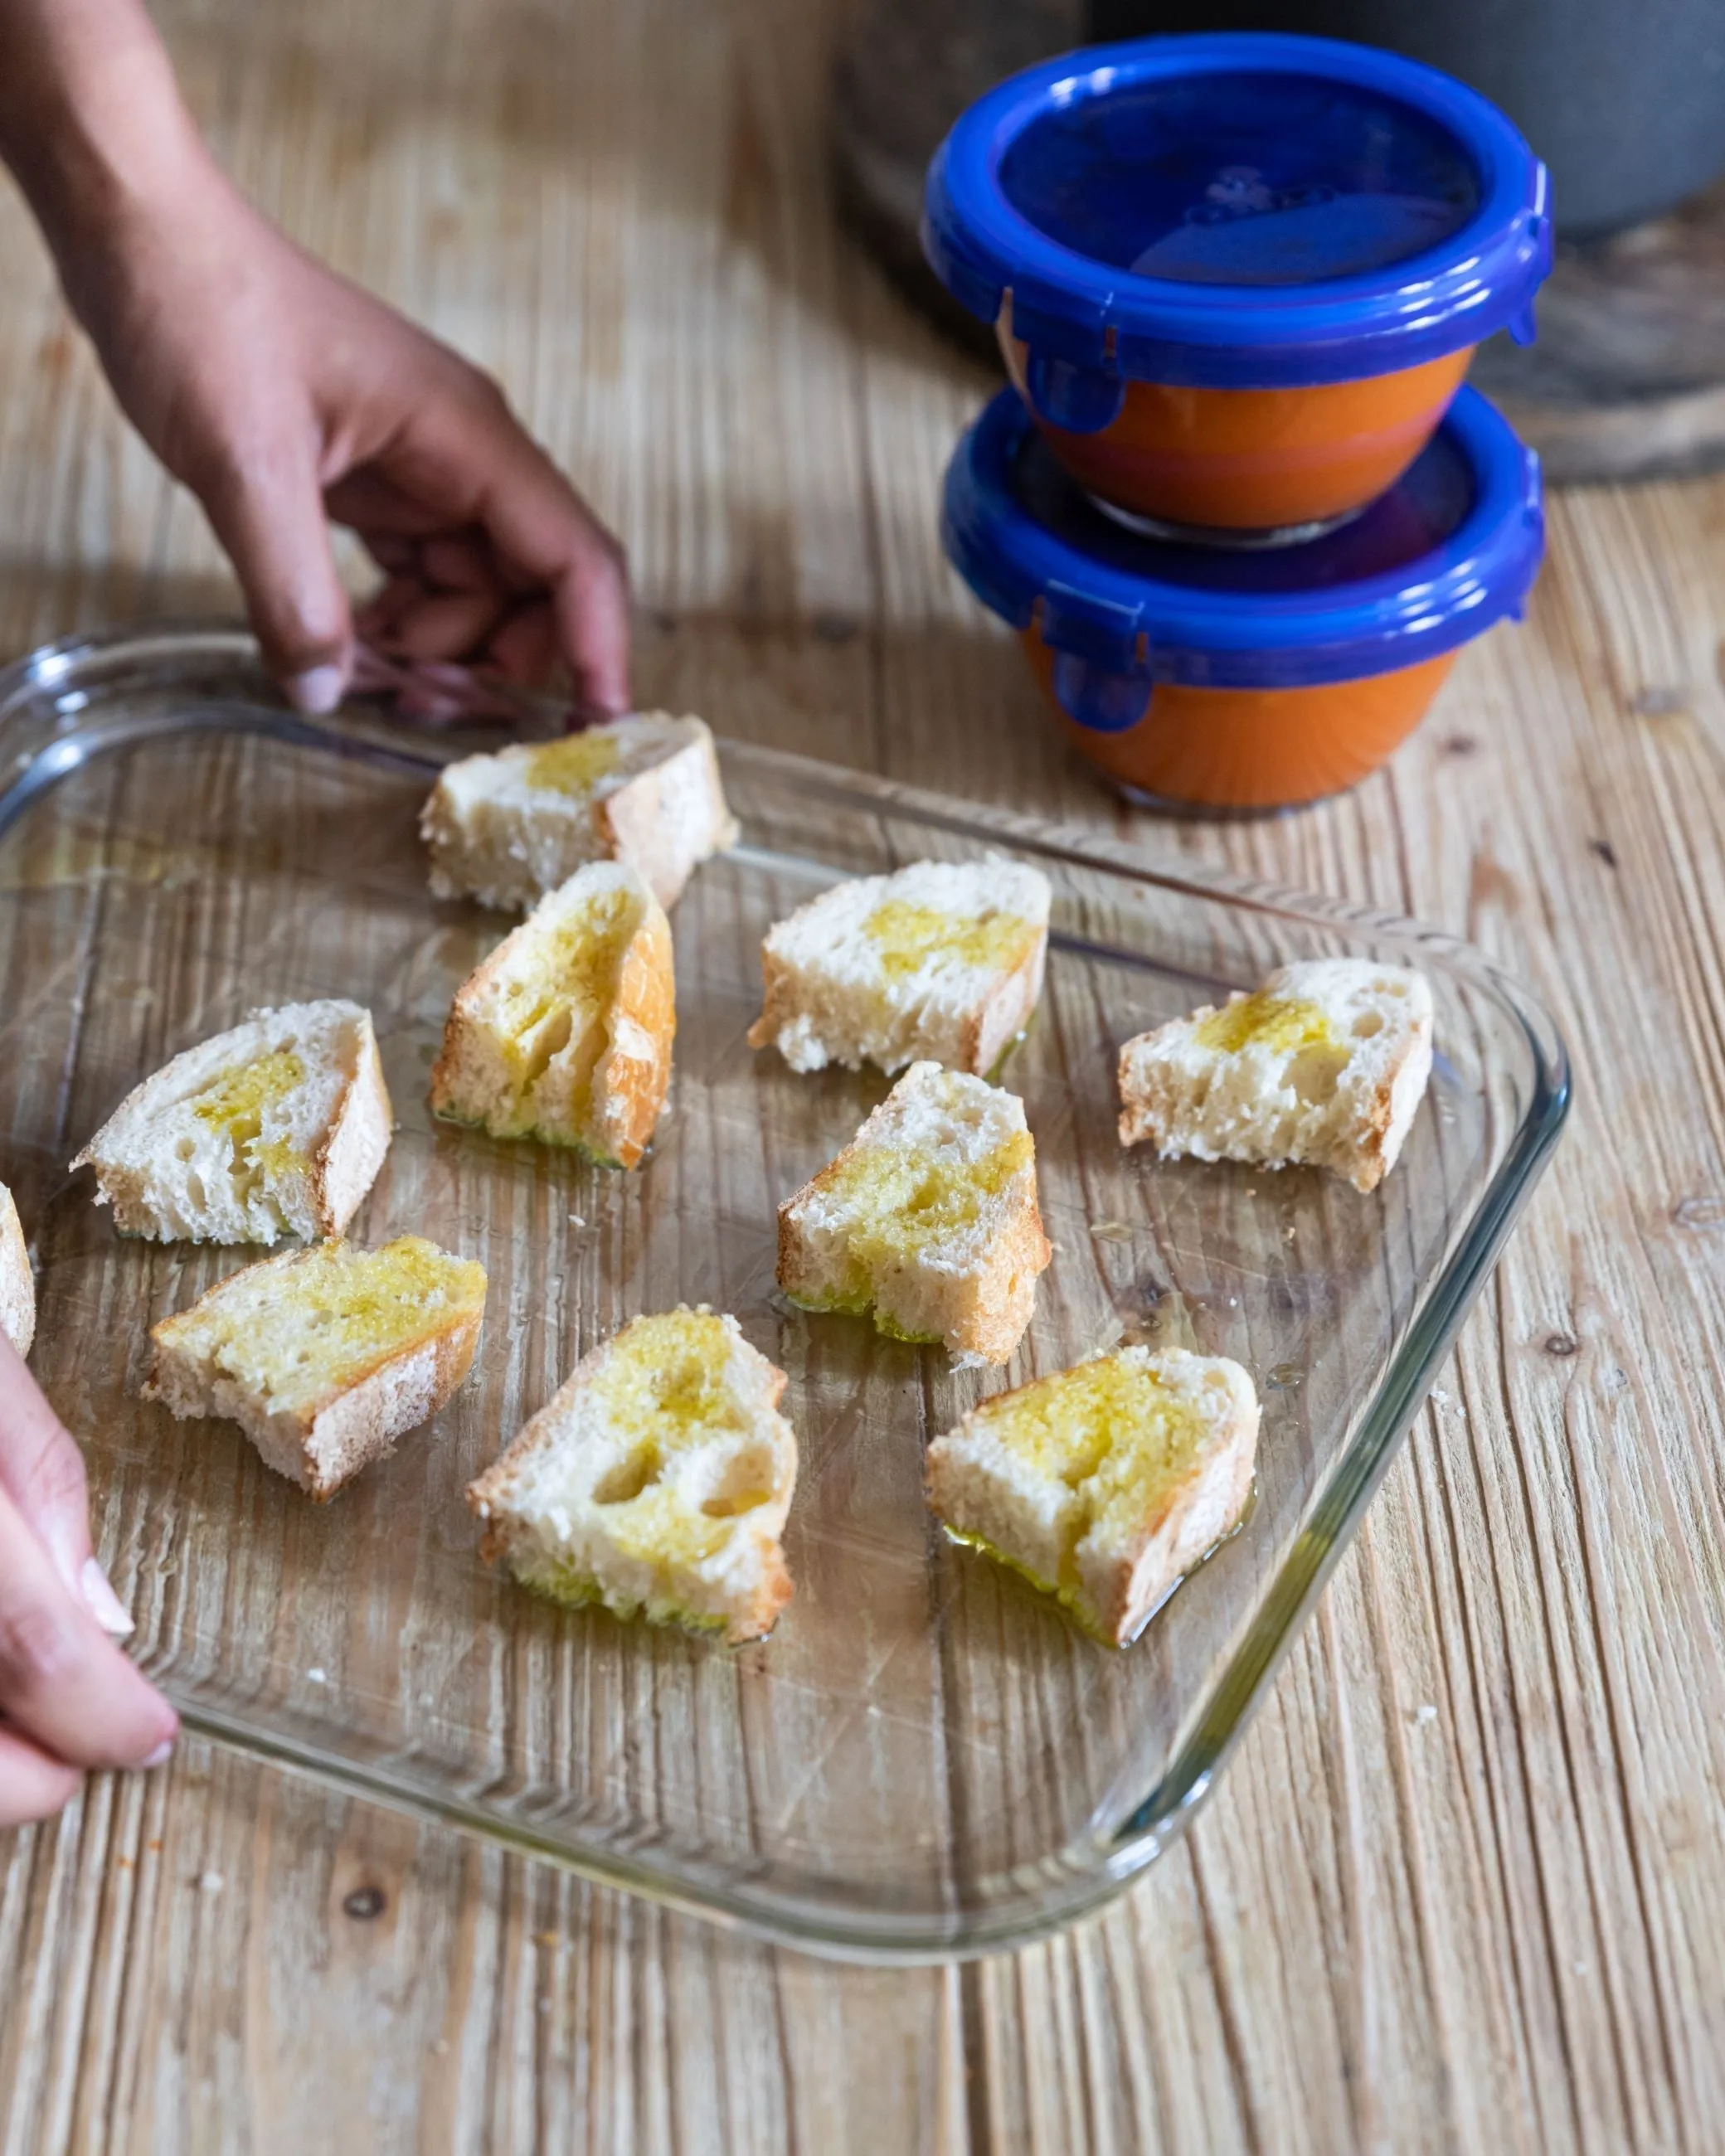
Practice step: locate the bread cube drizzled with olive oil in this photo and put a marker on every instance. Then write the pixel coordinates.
(564, 1034)
(941, 961)
(1325, 1063)
(929, 1217)
(277, 1126)
(656, 1481)
(1106, 1484)
(508, 828)
(325, 1356)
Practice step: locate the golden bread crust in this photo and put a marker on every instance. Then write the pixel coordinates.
(628, 1089)
(634, 1086)
(346, 1162)
(777, 1000)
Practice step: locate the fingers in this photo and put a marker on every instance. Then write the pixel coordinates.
(459, 562)
(445, 624)
(68, 1699)
(266, 507)
(41, 1471)
(583, 566)
(63, 1684)
(33, 1785)
(591, 607)
(525, 647)
(445, 598)
(464, 452)
(405, 620)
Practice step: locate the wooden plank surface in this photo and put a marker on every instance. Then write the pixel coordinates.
(1462, 1886)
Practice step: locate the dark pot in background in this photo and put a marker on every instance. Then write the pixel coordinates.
(904, 71)
(1625, 99)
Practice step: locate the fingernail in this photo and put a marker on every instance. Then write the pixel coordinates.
(318, 691)
(159, 1757)
(104, 1604)
(64, 1550)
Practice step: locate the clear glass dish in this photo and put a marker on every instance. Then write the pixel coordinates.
(926, 1758)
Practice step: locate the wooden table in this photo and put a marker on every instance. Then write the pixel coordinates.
(1464, 1885)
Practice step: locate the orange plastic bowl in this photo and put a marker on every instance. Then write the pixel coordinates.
(1238, 277)
(1245, 751)
(1247, 678)
(1253, 459)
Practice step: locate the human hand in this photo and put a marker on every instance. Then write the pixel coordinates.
(285, 397)
(69, 1701)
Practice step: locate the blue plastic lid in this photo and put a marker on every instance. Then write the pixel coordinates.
(1237, 211)
(1452, 547)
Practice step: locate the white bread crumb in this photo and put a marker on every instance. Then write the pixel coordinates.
(277, 1126)
(1325, 1063)
(656, 1481)
(941, 961)
(507, 829)
(325, 1356)
(929, 1218)
(1106, 1483)
(564, 1034)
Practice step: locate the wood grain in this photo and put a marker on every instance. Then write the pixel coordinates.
(1494, 1927)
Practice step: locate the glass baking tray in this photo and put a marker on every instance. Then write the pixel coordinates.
(926, 1758)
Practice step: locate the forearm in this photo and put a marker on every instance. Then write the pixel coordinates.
(91, 120)
(282, 395)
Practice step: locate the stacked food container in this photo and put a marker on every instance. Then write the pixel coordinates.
(1238, 503)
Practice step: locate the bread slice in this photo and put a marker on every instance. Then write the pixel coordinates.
(17, 1286)
(325, 1356)
(509, 828)
(1106, 1484)
(1325, 1063)
(276, 1127)
(564, 1034)
(656, 1481)
(940, 962)
(929, 1217)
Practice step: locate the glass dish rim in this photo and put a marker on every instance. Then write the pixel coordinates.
(1066, 1888)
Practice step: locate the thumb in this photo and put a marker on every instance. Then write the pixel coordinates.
(265, 506)
(41, 1471)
